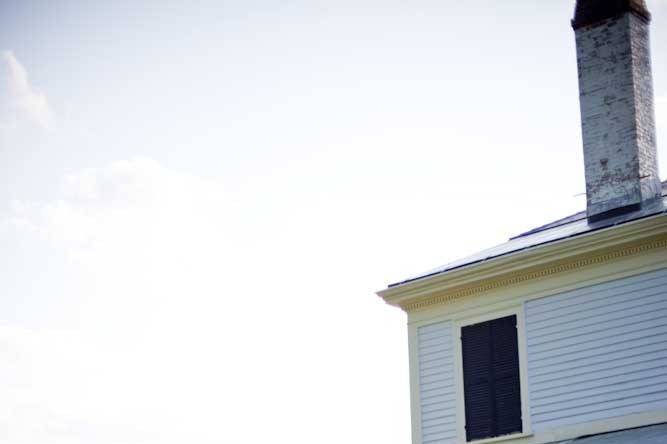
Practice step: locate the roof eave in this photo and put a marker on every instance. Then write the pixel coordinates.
(414, 294)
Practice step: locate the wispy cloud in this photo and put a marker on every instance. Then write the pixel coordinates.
(25, 98)
(154, 237)
(169, 220)
(125, 200)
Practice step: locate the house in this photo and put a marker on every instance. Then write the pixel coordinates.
(560, 333)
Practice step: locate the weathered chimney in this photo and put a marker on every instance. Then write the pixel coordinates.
(616, 100)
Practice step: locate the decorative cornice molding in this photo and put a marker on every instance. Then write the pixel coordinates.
(536, 259)
(577, 262)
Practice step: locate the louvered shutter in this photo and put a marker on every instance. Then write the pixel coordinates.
(491, 378)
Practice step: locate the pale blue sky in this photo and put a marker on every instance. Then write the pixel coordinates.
(199, 200)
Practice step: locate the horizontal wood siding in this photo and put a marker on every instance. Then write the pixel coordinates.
(598, 352)
(437, 394)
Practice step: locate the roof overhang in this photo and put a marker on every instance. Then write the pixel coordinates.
(572, 253)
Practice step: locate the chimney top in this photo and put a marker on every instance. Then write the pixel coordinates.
(590, 12)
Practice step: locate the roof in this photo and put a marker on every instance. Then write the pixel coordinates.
(571, 226)
(656, 434)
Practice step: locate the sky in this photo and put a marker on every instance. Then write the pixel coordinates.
(200, 199)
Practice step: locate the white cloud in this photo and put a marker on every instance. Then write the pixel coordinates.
(165, 232)
(145, 242)
(129, 201)
(25, 99)
(196, 319)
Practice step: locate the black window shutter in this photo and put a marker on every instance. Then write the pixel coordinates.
(491, 378)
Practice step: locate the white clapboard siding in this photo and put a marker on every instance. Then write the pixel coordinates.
(436, 383)
(598, 352)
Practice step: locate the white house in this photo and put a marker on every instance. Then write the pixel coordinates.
(561, 333)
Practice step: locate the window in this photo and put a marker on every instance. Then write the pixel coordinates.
(491, 378)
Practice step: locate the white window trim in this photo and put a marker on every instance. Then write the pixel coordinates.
(518, 311)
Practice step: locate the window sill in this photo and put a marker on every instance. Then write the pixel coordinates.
(499, 438)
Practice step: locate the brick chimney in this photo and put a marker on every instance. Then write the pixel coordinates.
(616, 100)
